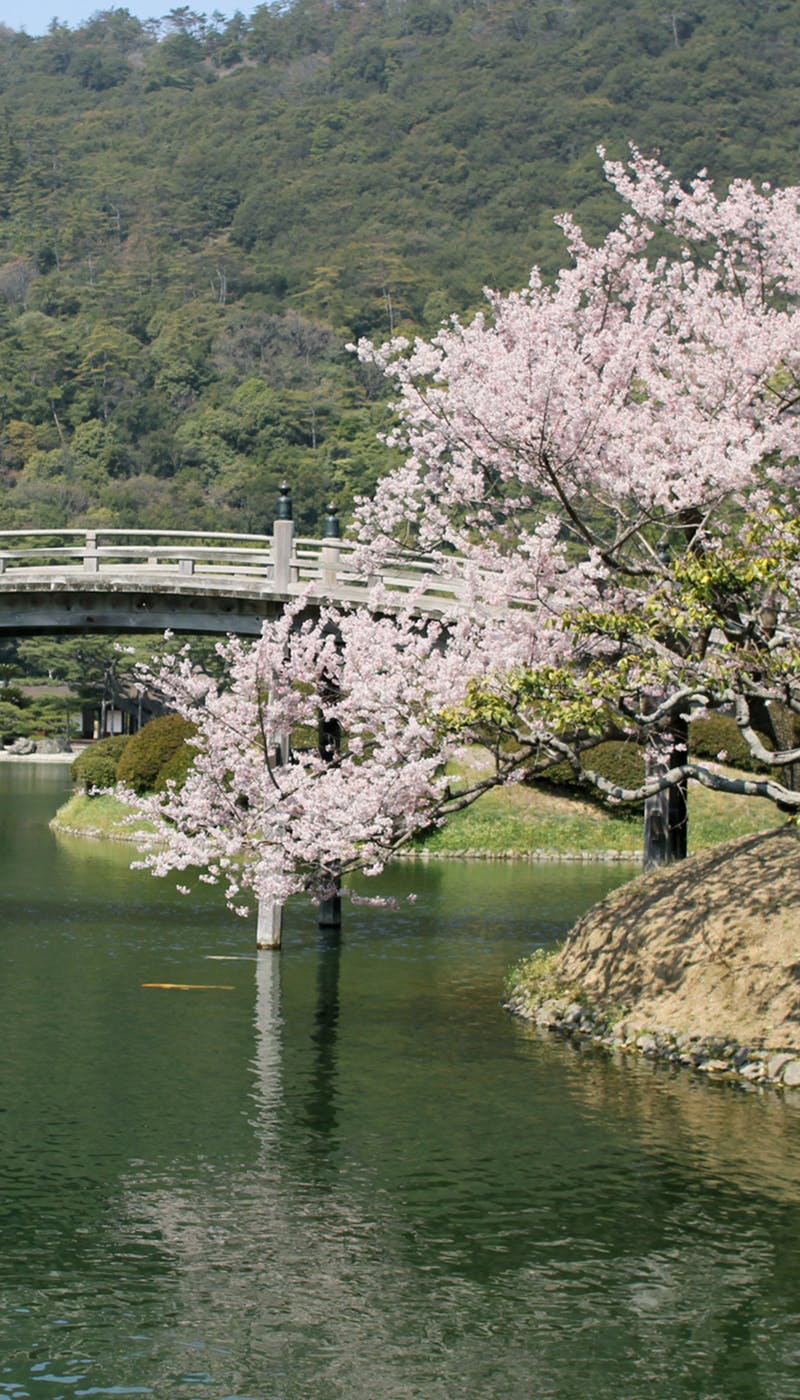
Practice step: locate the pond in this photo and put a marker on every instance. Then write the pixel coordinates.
(344, 1170)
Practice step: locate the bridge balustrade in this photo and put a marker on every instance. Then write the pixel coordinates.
(281, 565)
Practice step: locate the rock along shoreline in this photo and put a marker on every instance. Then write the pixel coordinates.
(695, 965)
(715, 1056)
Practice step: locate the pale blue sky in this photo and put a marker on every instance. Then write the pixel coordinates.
(34, 16)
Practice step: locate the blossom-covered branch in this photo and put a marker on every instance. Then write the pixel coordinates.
(608, 466)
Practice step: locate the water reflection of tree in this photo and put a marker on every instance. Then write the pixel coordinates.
(309, 1144)
(608, 1236)
(321, 1104)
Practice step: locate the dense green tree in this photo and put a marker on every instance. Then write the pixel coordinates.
(196, 216)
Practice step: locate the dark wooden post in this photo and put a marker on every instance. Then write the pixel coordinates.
(665, 813)
(329, 743)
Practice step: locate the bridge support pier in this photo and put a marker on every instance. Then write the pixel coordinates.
(269, 928)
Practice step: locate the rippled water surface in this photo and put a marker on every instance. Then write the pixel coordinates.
(345, 1171)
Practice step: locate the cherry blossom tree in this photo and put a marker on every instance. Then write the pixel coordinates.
(615, 458)
(606, 469)
(319, 752)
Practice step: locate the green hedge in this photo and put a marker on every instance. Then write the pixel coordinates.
(176, 768)
(622, 762)
(617, 760)
(148, 752)
(716, 734)
(96, 766)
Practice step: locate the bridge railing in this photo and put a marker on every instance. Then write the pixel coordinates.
(335, 565)
(281, 563)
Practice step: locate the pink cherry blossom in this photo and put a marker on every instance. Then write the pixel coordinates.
(606, 467)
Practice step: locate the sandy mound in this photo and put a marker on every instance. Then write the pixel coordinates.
(711, 945)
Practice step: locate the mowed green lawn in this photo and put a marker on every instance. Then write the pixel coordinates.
(515, 820)
(518, 819)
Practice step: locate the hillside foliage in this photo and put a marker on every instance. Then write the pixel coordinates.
(197, 216)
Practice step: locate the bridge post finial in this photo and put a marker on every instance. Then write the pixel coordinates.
(282, 540)
(283, 510)
(331, 530)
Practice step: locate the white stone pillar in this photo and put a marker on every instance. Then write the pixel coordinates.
(269, 928)
(268, 1029)
(282, 540)
(329, 554)
(90, 560)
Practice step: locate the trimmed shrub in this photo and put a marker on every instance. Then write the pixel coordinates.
(96, 766)
(176, 768)
(618, 760)
(148, 751)
(716, 734)
(622, 762)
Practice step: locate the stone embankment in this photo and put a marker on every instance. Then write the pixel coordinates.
(697, 965)
(713, 1055)
(545, 856)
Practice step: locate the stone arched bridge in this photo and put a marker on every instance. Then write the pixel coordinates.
(188, 581)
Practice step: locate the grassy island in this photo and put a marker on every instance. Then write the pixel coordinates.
(516, 821)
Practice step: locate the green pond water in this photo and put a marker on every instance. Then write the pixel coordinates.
(345, 1171)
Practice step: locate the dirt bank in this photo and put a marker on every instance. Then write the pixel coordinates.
(709, 947)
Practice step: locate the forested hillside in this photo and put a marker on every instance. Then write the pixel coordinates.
(197, 216)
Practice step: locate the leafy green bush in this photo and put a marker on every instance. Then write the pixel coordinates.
(176, 768)
(622, 762)
(618, 760)
(151, 749)
(96, 766)
(720, 734)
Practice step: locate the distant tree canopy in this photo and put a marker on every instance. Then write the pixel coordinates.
(197, 215)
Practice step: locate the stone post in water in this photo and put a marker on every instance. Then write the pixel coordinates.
(269, 927)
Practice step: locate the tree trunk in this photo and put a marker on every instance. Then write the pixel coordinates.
(666, 816)
(329, 743)
(783, 730)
